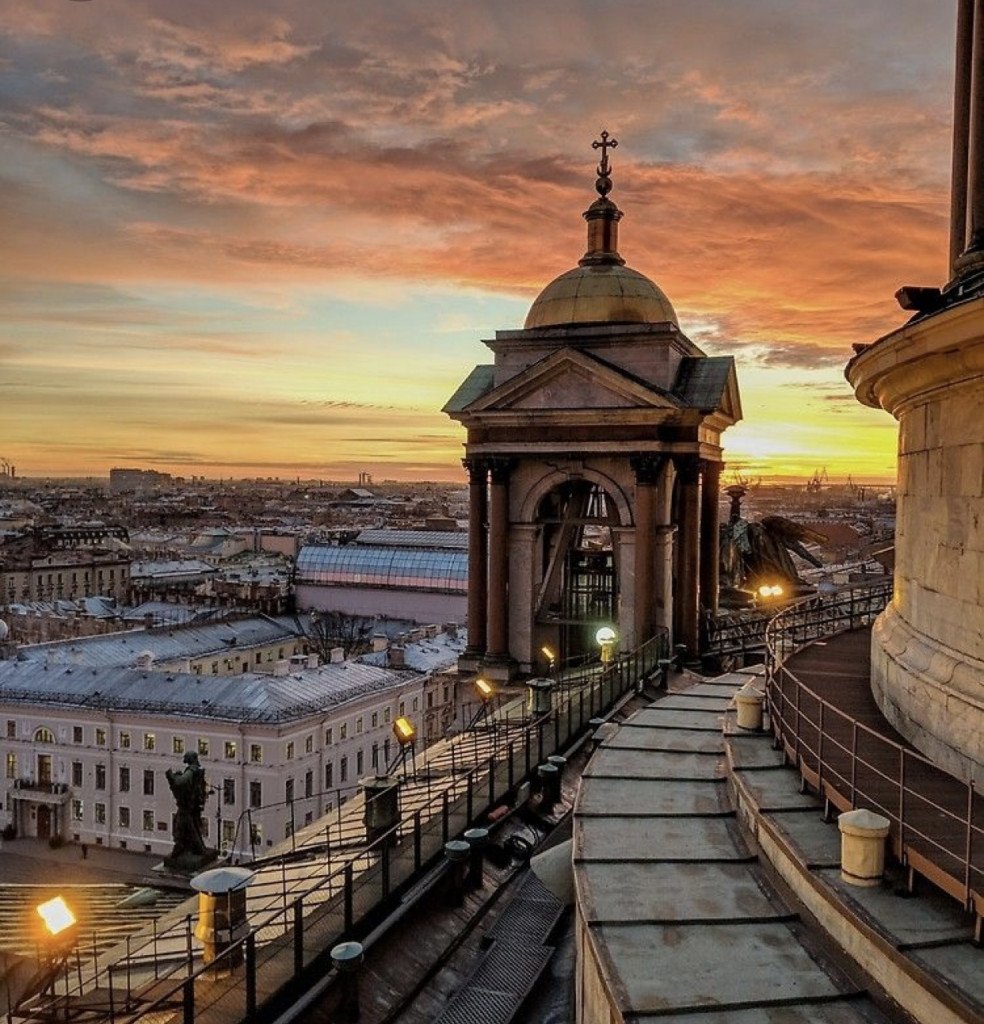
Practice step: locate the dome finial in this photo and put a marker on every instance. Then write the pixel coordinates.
(604, 182)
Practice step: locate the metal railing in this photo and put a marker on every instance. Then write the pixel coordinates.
(936, 820)
(298, 907)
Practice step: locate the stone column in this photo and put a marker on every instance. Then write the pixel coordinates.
(688, 569)
(975, 159)
(498, 585)
(646, 469)
(710, 554)
(478, 555)
(664, 579)
(961, 130)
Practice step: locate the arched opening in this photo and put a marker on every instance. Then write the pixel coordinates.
(578, 585)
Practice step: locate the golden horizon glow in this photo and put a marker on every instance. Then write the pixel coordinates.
(271, 245)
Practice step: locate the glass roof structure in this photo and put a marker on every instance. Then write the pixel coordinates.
(444, 571)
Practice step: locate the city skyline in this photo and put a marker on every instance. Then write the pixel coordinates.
(273, 247)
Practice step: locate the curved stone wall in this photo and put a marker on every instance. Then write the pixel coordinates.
(928, 647)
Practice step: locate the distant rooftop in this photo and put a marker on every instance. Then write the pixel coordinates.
(415, 569)
(446, 539)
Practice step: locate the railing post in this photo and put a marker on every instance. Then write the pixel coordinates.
(902, 801)
(349, 913)
(510, 747)
(854, 763)
(298, 937)
(446, 815)
(188, 1001)
(385, 854)
(250, 970)
(470, 798)
(416, 841)
(491, 783)
(820, 754)
(970, 843)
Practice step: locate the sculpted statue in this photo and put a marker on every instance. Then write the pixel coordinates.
(188, 788)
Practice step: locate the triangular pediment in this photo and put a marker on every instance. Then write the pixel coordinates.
(570, 379)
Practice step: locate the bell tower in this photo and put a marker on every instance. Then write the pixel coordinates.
(594, 459)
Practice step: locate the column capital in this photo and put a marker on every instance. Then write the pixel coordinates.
(647, 467)
(711, 467)
(501, 468)
(477, 467)
(688, 465)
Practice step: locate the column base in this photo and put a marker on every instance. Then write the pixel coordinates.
(500, 668)
(470, 661)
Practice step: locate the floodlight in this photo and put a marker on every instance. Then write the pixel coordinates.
(605, 635)
(485, 689)
(404, 731)
(56, 914)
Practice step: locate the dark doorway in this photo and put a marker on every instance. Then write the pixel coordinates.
(44, 822)
(579, 586)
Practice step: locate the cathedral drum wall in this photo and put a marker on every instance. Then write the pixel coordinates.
(927, 651)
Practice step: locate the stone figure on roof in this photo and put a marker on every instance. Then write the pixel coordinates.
(188, 787)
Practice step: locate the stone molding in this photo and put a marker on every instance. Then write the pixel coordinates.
(931, 694)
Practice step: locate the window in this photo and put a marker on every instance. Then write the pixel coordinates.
(124, 741)
(148, 782)
(100, 812)
(76, 810)
(230, 749)
(416, 703)
(359, 763)
(11, 730)
(375, 755)
(177, 745)
(358, 726)
(124, 817)
(76, 733)
(444, 697)
(43, 735)
(309, 783)
(148, 821)
(203, 748)
(150, 741)
(255, 834)
(290, 750)
(100, 776)
(308, 744)
(11, 766)
(386, 715)
(255, 753)
(76, 773)
(329, 736)
(124, 779)
(329, 775)
(289, 790)
(430, 698)
(215, 668)
(256, 794)
(343, 731)
(403, 708)
(204, 824)
(343, 770)
(229, 791)
(228, 832)
(374, 721)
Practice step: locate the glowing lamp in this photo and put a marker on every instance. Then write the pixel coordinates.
(548, 653)
(485, 690)
(56, 915)
(605, 635)
(404, 731)
(770, 590)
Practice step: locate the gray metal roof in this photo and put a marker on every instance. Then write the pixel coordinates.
(479, 382)
(239, 698)
(701, 382)
(193, 641)
(446, 539)
(413, 569)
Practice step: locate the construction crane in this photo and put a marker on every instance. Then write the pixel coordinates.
(816, 482)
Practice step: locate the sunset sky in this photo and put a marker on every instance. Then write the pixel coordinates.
(262, 238)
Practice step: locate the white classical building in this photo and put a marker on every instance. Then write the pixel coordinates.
(85, 744)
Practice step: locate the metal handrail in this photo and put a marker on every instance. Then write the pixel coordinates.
(279, 914)
(812, 731)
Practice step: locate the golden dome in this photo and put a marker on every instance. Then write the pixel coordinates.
(600, 293)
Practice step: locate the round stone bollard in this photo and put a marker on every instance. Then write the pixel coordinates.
(222, 915)
(549, 775)
(749, 701)
(457, 852)
(863, 835)
(347, 958)
(476, 838)
(540, 700)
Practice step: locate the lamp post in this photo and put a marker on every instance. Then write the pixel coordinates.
(60, 930)
(605, 638)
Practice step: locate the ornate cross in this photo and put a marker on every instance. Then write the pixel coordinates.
(604, 145)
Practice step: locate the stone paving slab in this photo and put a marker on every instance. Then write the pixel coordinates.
(670, 719)
(651, 738)
(649, 764)
(778, 790)
(667, 967)
(816, 841)
(635, 797)
(687, 702)
(749, 750)
(660, 893)
(670, 839)
(905, 920)
(711, 690)
(842, 1012)
(962, 966)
